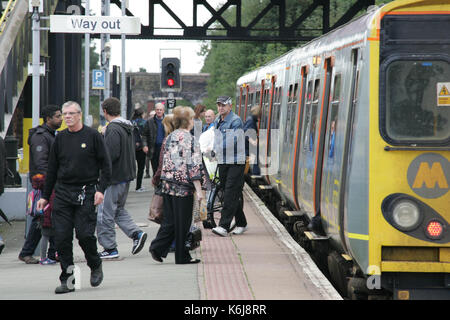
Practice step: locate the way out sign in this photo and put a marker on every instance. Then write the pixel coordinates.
(93, 24)
(443, 94)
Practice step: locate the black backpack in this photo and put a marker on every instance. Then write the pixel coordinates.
(137, 137)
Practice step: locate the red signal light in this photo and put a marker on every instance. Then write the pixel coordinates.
(434, 229)
(170, 82)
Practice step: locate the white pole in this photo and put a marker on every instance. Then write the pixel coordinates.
(123, 85)
(36, 65)
(87, 45)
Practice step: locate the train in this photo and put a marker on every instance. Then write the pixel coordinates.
(357, 137)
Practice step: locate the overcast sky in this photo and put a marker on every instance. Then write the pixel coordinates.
(146, 53)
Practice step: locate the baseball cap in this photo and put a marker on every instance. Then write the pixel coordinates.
(224, 100)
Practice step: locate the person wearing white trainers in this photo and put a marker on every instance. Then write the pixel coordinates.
(229, 147)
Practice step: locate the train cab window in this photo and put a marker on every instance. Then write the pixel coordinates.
(417, 106)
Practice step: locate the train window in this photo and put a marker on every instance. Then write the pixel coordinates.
(294, 96)
(307, 117)
(413, 109)
(290, 93)
(337, 88)
(309, 95)
(316, 90)
(314, 110)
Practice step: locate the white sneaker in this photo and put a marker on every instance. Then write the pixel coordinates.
(220, 231)
(240, 230)
(232, 225)
(142, 189)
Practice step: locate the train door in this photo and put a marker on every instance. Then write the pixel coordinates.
(309, 132)
(289, 130)
(320, 146)
(298, 136)
(245, 101)
(330, 180)
(238, 107)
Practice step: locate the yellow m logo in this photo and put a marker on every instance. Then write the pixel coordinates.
(430, 176)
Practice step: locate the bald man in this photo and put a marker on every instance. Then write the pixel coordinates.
(210, 116)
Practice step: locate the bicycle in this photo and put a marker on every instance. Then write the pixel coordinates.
(214, 202)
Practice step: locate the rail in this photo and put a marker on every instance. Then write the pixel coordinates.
(8, 9)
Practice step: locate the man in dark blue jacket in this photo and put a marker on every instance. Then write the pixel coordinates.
(119, 140)
(229, 147)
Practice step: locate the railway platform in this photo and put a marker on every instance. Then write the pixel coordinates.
(264, 263)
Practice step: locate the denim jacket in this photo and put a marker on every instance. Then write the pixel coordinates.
(229, 142)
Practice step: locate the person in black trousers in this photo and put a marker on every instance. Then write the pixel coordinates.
(40, 140)
(153, 136)
(138, 121)
(230, 154)
(181, 176)
(79, 169)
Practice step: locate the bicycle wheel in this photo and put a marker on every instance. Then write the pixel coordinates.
(214, 203)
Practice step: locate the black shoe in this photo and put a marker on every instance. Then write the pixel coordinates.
(147, 176)
(192, 261)
(96, 276)
(2, 246)
(63, 288)
(155, 256)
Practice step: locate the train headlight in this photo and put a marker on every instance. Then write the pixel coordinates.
(406, 215)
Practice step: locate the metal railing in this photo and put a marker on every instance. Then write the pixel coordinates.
(9, 7)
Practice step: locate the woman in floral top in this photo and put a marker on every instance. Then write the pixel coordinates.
(181, 175)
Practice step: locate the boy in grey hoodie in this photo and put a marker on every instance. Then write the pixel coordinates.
(119, 140)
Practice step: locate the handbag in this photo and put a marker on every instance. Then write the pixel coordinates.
(193, 238)
(156, 207)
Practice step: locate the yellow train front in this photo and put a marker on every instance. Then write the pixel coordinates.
(363, 142)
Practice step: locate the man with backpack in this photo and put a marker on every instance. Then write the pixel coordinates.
(119, 141)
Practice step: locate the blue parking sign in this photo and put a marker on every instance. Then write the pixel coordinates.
(98, 79)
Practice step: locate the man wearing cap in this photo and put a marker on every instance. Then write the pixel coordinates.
(229, 148)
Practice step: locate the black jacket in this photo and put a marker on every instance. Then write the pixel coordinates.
(40, 140)
(149, 136)
(119, 140)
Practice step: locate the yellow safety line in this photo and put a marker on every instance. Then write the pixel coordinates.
(358, 236)
(5, 13)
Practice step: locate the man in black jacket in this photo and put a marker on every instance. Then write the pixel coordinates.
(79, 169)
(40, 140)
(153, 137)
(119, 141)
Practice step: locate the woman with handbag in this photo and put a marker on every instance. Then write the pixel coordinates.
(181, 175)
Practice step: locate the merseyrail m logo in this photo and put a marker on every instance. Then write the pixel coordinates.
(429, 175)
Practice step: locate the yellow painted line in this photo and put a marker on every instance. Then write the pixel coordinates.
(358, 236)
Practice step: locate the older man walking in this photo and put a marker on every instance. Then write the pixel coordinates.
(79, 169)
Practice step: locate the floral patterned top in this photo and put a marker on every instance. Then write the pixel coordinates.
(181, 165)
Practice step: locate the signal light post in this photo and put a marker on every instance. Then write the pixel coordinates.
(170, 80)
(170, 74)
